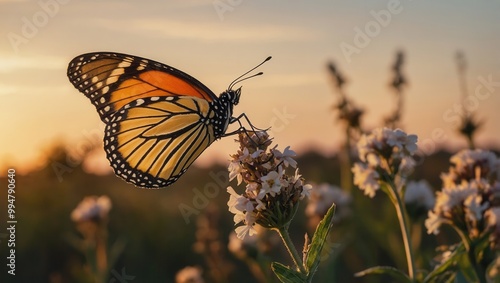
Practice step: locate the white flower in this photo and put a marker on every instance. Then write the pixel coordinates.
(306, 191)
(297, 179)
(433, 222)
(323, 196)
(372, 159)
(449, 178)
(466, 159)
(401, 140)
(366, 179)
(238, 217)
(235, 170)
(256, 153)
(260, 205)
(383, 141)
(471, 164)
(407, 165)
(189, 274)
(271, 183)
(492, 217)
(474, 207)
(252, 189)
(238, 203)
(372, 142)
(90, 208)
(248, 228)
(286, 156)
(262, 169)
(448, 198)
(420, 193)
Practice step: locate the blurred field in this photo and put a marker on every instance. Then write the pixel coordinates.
(158, 240)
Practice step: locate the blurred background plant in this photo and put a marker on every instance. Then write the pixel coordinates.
(91, 221)
(398, 83)
(469, 125)
(349, 116)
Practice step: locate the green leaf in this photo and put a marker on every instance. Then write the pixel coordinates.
(447, 269)
(466, 269)
(319, 239)
(115, 252)
(287, 275)
(395, 273)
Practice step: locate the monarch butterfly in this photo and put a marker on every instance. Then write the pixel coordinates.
(158, 118)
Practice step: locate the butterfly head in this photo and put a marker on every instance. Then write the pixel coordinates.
(233, 96)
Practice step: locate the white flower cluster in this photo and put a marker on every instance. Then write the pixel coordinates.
(323, 196)
(469, 199)
(384, 152)
(471, 164)
(92, 208)
(420, 193)
(270, 191)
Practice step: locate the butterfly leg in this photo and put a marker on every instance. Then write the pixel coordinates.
(242, 128)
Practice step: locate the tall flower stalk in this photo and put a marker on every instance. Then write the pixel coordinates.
(91, 218)
(271, 199)
(349, 116)
(469, 125)
(397, 83)
(385, 163)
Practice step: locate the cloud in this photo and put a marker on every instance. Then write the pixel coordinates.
(17, 63)
(209, 31)
(13, 89)
(292, 80)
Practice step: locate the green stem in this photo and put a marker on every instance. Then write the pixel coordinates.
(469, 247)
(470, 141)
(405, 231)
(283, 232)
(346, 163)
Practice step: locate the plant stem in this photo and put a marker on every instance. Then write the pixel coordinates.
(469, 247)
(405, 231)
(283, 232)
(346, 163)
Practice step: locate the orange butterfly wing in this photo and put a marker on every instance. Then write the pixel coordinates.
(112, 80)
(154, 115)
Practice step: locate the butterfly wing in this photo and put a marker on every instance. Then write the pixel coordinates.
(154, 115)
(113, 80)
(151, 142)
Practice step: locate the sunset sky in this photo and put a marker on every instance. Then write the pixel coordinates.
(218, 40)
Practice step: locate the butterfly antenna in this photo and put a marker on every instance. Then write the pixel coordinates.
(239, 79)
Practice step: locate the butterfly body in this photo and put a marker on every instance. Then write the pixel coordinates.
(158, 119)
